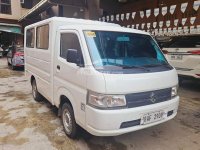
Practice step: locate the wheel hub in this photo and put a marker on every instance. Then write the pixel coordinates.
(67, 122)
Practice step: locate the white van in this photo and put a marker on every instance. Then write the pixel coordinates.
(107, 79)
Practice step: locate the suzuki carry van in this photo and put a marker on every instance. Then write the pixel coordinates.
(104, 78)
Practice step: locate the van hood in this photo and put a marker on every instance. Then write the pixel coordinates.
(134, 83)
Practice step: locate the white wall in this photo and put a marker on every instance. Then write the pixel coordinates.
(16, 11)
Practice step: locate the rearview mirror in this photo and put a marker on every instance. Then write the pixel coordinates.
(74, 57)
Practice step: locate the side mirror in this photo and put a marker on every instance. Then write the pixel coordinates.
(74, 57)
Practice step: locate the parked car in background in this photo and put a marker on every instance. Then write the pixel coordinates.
(5, 52)
(183, 52)
(15, 57)
(163, 40)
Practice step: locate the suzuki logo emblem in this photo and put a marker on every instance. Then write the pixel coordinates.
(152, 97)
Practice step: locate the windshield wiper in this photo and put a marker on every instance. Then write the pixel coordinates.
(130, 67)
(153, 65)
(156, 65)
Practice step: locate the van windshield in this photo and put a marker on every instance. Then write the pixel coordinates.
(123, 50)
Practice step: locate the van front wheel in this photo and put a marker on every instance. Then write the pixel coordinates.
(68, 121)
(35, 93)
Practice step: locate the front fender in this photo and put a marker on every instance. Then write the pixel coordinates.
(65, 92)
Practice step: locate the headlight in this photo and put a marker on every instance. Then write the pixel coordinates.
(105, 101)
(174, 91)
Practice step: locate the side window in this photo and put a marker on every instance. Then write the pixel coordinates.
(30, 38)
(68, 41)
(42, 37)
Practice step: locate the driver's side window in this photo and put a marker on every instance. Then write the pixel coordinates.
(68, 41)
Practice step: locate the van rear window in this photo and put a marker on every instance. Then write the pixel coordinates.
(42, 37)
(30, 38)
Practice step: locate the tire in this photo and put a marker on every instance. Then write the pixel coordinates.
(35, 93)
(12, 66)
(68, 121)
(8, 62)
(180, 80)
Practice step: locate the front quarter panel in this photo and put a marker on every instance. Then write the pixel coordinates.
(95, 80)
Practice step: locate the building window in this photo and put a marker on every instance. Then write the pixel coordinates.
(30, 38)
(42, 37)
(5, 7)
(28, 4)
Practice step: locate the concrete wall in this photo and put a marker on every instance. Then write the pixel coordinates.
(50, 12)
(92, 11)
(72, 12)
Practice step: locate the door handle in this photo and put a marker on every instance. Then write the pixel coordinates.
(58, 67)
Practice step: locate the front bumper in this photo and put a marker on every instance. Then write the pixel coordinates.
(108, 122)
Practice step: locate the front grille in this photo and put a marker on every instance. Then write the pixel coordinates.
(147, 98)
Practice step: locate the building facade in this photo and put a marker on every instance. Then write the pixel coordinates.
(159, 17)
(10, 28)
(43, 9)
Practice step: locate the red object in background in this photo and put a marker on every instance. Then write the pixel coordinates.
(165, 51)
(194, 52)
(19, 54)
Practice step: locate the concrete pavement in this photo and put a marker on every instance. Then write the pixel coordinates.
(28, 125)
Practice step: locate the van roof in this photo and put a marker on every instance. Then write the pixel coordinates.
(75, 21)
(89, 23)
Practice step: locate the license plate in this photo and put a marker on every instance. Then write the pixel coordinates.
(176, 57)
(152, 117)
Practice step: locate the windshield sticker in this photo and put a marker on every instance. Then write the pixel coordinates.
(90, 34)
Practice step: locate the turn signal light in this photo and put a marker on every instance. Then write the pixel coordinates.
(195, 52)
(165, 51)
